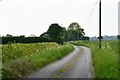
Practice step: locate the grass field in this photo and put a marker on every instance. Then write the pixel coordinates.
(0, 61)
(20, 60)
(105, 60)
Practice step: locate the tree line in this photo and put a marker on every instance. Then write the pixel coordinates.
(55, 33)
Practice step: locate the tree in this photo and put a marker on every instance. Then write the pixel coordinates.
(118, 37)
(44, 35)
(23, 36)
(56, 33)
(8, 35)
(74, 31)
(32, 35)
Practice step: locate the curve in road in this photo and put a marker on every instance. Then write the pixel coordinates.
(78, 64)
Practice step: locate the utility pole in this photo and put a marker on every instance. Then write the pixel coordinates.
(100, 37)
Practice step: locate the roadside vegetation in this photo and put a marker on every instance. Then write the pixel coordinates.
(0, 61)
(22, 55)
(105, 60)
(20, 60)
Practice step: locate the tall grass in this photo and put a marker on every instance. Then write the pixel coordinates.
(31, 57)
(0, 61)
(105, 60)
(14, 51)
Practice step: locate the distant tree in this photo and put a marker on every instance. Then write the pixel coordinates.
(32, 35)
(118, 37)
(56, 33)
(44, 35)
(22, 36)
(0, 39)
(74, 31)
(8, 35)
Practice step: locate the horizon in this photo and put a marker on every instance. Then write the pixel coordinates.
(38, 36)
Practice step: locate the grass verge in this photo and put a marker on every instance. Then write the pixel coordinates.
(105, 60)
(30, 62)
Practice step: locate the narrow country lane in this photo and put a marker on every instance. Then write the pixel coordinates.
(78, 64)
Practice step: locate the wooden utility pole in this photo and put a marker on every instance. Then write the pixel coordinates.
(100, 37)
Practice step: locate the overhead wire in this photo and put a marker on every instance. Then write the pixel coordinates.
(90, 13)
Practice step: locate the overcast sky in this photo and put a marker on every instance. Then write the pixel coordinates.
(25, 17)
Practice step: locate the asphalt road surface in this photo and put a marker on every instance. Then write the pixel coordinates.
(78, 64)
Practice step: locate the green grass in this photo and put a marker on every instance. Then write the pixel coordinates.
(105, 60)
(0, 61)
(21, 60)
(14, 51)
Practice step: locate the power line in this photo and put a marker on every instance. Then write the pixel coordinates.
(91, 13)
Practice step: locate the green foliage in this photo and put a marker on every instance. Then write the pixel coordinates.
(105, 60)
(14, 51)
(59, 34)
(60, 40)
(22, 39)
(118, 37)
(44, 35)
(31, 57)
(74, 32)
(55, 33)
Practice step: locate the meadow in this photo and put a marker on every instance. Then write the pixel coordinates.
(0, 61)
(20, 60)
(105, 60)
